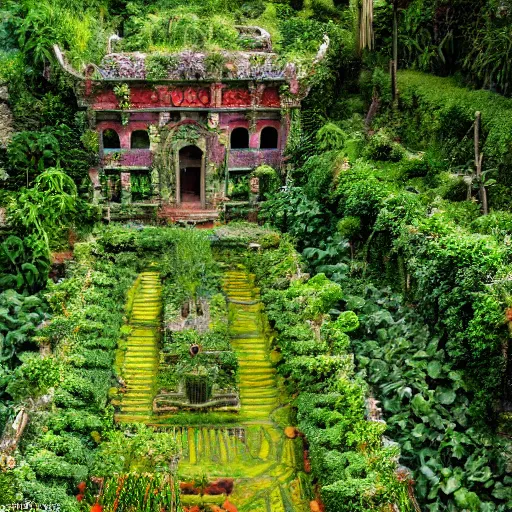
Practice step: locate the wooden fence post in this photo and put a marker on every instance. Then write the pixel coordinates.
(478, 164)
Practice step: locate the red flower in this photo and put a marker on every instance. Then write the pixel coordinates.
(79, 497)
(97, 508)
(81, 487)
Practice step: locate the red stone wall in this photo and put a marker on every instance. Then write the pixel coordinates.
(196, 96)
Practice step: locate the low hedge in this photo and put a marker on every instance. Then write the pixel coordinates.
(439, 112)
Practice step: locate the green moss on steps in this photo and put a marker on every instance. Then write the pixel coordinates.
(140, 350)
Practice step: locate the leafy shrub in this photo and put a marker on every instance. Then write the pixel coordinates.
(214, 63)
(49, 494)
(452, 188)
(417, 167)
(318, 172)
(46, 464)
(497, 224)
(158, 65)
(313, 372)
(330, 137)
(425, 400)
(437, 111)
(292, 212)
(148, 28)
(20, 316)
(138, 449)
(269, 179)
(349, 227)
(34, 377)
(8, 488)
(382, 147)
(360, 196)
(377, 84)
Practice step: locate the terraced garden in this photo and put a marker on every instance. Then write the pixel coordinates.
(267, 466)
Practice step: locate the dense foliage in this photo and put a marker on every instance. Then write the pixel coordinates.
(382, 199)
(312, 352)
(79, 321)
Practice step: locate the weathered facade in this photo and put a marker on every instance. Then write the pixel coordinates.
(177, 129)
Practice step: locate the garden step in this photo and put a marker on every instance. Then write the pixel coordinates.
(138, 350)
(140, 332)
(261, 381)
(250, 344)
(256, 365)
(140, 408)
(258, 402)
(254, 375)
(132, 418)
(134, 402)
(141, 358)
(148, 308)
(145, 393)
(259, 393)
(138, 354)
(142, 353)
(143, 366)
(256, 357)
(251, 349)
(139, 378)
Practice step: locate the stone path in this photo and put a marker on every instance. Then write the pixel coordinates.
(141, 359)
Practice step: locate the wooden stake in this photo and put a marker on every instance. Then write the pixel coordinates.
(478, 164)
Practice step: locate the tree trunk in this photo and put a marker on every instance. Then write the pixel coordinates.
(372, 112)
(13, 432)
(394, 65)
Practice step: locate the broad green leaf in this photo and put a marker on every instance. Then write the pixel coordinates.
(482, 475)
(434, 369)
(420, 406)
(445, 396)
(429, 473)
(466, 499)
(502, 492)
(451, 485)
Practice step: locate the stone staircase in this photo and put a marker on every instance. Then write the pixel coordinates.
(188, 214)
(266, 466)
(258, 387)
(142, 354)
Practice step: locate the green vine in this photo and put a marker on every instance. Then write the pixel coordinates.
(122, 93)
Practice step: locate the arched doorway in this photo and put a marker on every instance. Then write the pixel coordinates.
(190, 189)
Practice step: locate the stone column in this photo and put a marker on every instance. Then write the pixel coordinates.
(126, 189)
(96, 185)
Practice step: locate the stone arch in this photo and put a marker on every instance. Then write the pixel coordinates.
(178, 137)
(269, 138)
(110, 139)
(240, 138)
(139, 139)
